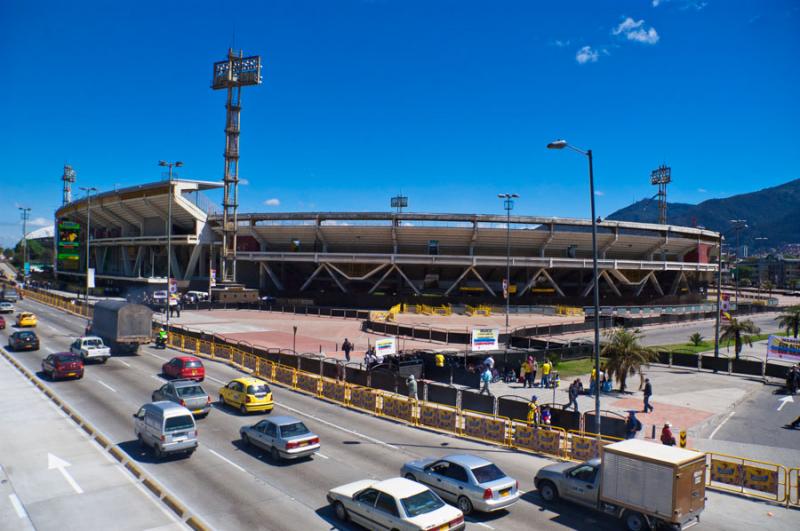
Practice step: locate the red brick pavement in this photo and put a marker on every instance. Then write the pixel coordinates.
(682, 418)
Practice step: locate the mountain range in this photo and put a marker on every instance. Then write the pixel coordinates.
(771, 213)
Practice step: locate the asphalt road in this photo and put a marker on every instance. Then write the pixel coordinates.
(233, 487)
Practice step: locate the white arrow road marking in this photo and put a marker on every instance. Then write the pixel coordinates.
(61, 465)
(783, 402)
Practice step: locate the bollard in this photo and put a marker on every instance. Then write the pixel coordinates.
(653, 436)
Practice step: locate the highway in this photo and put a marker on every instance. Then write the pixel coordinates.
(233, 487)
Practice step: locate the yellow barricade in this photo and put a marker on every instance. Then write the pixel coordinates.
(204, 347)
(398, 408)
(750, 477)
(793, 494)
(484, 427)
(308, 382)
(237, 357)
(265, 369)
(540, 439)
(284, 375)
(438, 417)
(190, 343)
(364, 398)
(249, 361)
(584, 446)
(223, 351)
(333, 390)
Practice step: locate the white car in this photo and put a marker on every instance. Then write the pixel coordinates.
(6, 307)
(90, 348)
(395, 503)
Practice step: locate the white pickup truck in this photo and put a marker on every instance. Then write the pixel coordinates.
(90, 348)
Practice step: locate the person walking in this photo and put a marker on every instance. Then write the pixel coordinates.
(486, 379)
(546, 373)
(573, 396)
(439, 359)
(648, 392)
(666, 435)
(412, 387)
(347, 347)
(533, 411)
(632, 425)
(534, 369)
(530, 373)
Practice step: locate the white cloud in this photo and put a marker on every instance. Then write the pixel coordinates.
(40, 222)
(560, 43)
(244, 182)
(702, 190)
(272, 202)
(635, 30)
(656, 2)
(586, 55)
(599, 193)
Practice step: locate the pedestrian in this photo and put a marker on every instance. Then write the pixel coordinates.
(533, 411)
(546, 415)
(534, 369)
(347, 347)
(795, 423)
(439, 359)
(648, 392)
(523, 373)
(632, 425)
(592, 382)
(511, 375)
(412, 387)
(489, 362)
(486, 379)
(546, 373)
(530, 373)
(666, 435)
(573, 395)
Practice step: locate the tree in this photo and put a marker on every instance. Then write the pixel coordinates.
(8, 252)
(740, 332)
(768, 286)
(790, 320)
(625, 356)
(696, 339)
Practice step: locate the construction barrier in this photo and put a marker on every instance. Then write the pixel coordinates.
(482, 310)
(569, 310)
(397, 408)
(334, 390)
(284, 375)
(250, 362)
(364, 398)
(793, 493)
(479, 426)
(308, 383)
(438, 417)
(760, 479)
(540, 439)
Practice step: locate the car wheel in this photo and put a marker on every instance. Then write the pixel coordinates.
(221, 401)
(465, 505)
(410, 477)
(153, 398)
(635, 522)
(103, 360)
(274, 454)
(341, 512)
(243, 409)
(548, 491)
(157, 453)
(141, 442)
(246, 439)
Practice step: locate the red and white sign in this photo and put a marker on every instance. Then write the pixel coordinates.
(173, 285)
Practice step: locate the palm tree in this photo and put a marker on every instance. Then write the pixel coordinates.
(696, 339)
(790, 320)
(625, 356)
(740, 332)
(768, 286)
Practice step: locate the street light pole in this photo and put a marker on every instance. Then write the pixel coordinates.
(738, 225)
(88, 190)
(561, 144)
(508, 204)
(25, 211)
(177, 164)
(719, 297)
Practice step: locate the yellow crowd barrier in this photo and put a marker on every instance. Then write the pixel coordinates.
(569, 310)
(793, 494)
(478, 310)
(334, 390)
(363, 398)
(751, 477)
(397, 407)
(438, 417)
(539, 438)
(284, 375)
(480, 426)
(309, 383)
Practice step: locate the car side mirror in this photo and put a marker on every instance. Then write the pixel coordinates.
(135, 416)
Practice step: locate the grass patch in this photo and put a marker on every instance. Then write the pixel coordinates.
(708, 345)
(572, 368)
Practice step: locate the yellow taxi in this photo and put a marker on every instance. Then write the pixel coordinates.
(26, 319)
(247, 394)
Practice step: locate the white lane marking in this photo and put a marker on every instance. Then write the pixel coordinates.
(101, 382)
(215, 380)
(157, 356)
(720, 425)
(783, 401)
(124, 363)
(159, 378)
(332, 425)
(61, 465)
(227, 460)
(17, 505)
(322, 456)
(484, 525)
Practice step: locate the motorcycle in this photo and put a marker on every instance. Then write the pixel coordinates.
(161, 343)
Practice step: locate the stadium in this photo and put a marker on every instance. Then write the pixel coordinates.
(374, 259)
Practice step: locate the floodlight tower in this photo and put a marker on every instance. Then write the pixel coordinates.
(232, 74)
(68, 177)
(661, 176)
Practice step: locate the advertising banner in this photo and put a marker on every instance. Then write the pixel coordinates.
(68, 251)
(90, 278)
(173, 285)
(385, 346)
(785, 348)
(485, 338)
(212, 278)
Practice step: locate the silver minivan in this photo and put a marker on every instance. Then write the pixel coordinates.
(166, 427)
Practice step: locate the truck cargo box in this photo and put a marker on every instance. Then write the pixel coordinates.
(654, 479)
(122, 326)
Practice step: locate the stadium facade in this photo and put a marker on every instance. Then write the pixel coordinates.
(374, 258)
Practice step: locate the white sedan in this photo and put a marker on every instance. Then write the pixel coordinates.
(395, 503)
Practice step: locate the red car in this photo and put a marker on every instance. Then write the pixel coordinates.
(184, 367)
(63, 365)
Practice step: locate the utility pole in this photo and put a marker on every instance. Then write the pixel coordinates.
(738, 226)
(176, 164)
(508, 205)
(26, 214)
(88, 190)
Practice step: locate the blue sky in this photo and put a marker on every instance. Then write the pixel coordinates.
(449, 102)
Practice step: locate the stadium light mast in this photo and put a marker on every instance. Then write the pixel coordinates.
(68, 177)
(169, 165)
(508, 205)
(89, 190)
(232, 74)
(561, 144)
(661, 177)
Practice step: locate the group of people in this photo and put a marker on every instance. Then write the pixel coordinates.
(371, 359)
(538, 415)
(528, 371)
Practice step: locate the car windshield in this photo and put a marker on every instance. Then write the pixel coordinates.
(257, 389)
(191, 390)
(26, 335)
(487, 473)
(193, 364)
(293, 430)
(421, 503)
(66, 358)
(93, 343)
(182, 422)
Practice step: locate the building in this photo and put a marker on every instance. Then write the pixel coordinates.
(782, 272)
